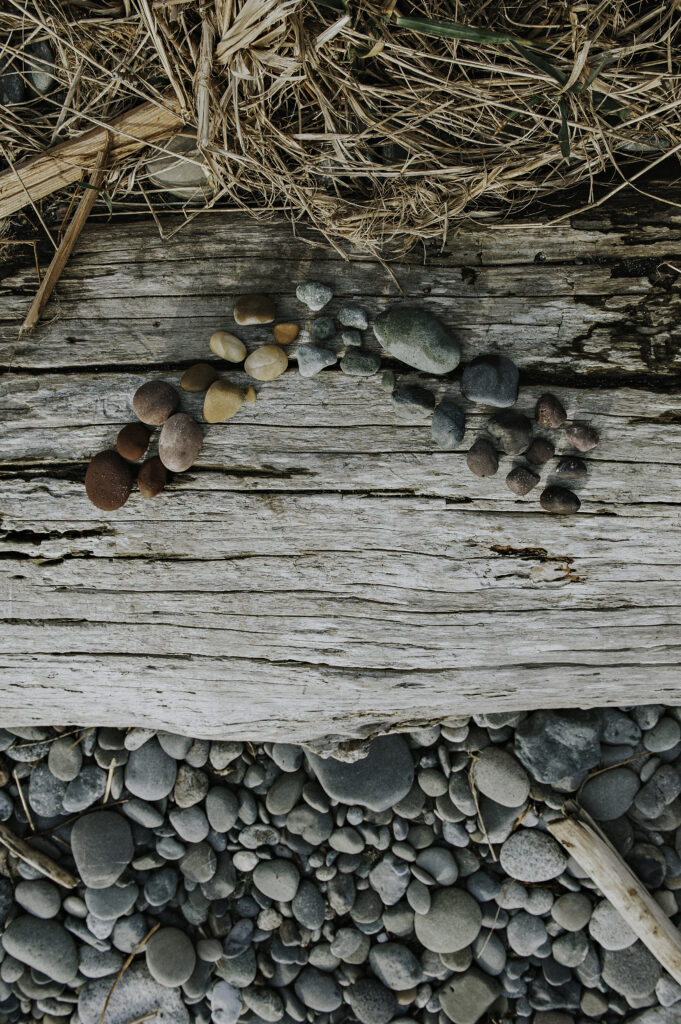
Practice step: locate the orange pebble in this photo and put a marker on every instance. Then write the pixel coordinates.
(284, 334)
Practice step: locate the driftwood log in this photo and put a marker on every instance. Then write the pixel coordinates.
(324, 570)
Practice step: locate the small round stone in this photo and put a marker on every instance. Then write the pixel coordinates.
(540, 451)
(170, 957)
(314, 295)
(180, 442)
(521, 480)
(371, 1002)
(199, 377)
(448, 425)
(227, 346)
(352, 316)
(284, 334)
(572, 911)
(482, 459)
(102, 847)
(610, 794)
(318, 991)
(266, 362)
(278, 879)
(133, 441)
(152, 477)
(223, 400)
(532, 856)
(254, 309)
(452, 922)
(312, 359)
(608, 928)
(360, 364)
(150, 773)
(559, 501)
(492, 380)
(581, 436)
(663, 736)
(498, 775)
(323, 328)
(65, 758)
(511, 431)
(154, 402)
(108, 481)
(571, 468)
(549, 412)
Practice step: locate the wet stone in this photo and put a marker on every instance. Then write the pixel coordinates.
(521, 480)
(581, 436)
(491, 380)
(549, 412)
(448, 425)
(482, 458)
(559, 501)
(417, 338)
(571, 467)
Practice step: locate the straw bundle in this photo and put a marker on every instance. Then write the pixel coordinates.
(379, 123)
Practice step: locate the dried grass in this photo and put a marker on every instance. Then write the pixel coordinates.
(363, 122)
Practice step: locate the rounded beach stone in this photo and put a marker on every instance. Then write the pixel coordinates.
(491, 379)
(65, 758)
(254, 309)
(395, 965)
(318, 991)
(466, 997)
(150, 773)
(170, 957)
(154, 402)
(223, 400)
(39, 897)
(572, 911)
(108, 481)
(314, 294)
(532, 856)
(549, 412)
(102, 848)
(377, 781)
(418, 338)
(323, 328)
(227, 346)
(352, 316)
(360, 364)
(453, 921)
(266, 362)
(136, 996)
(482, 459)
(180, 442)
(371, 1002)
(511, 432)
(448, 425)
(498, 775)
(312, 359)
(581, 436)
(284, 334)
(222, 808)
(152, 477)
(632, 972)
(559, 501)
(571, 468)
(199, 376)
(43, 945)
(521, 480)
(133, 441)
(608, 928)
(610, 794)
(278, 879)
(540, 451)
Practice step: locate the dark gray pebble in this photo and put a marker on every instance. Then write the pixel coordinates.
(560, 501)
(448, 425)
(360, 364)
(521, 480)
(492, 380)
(540, 451)
(323, 328)
(571, 468)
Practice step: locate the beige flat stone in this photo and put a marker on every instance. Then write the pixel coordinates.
(227, 346)
(223, 399)
(198, 377)
(266, 363)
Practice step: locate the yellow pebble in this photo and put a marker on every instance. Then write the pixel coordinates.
(250, 394)
(223, 399)
(266, 363)
(227, 346)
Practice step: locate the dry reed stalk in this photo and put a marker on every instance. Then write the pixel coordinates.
(36, 858)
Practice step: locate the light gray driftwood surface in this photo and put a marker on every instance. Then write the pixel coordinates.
(324, 570)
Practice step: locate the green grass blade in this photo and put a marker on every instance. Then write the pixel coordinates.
(467, 33)
(334, 5)
(542, 64)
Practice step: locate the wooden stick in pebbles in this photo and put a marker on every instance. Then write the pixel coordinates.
(38, 860)
(584, 841)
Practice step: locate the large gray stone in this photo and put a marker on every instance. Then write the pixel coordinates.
(610, 794)
(417, 338)
(150, 773)
(466, 997)
(102, 848)
(377, 781)
(452, 922)
(135, 995)
(557, 745)
(491, 379)
(43, 945)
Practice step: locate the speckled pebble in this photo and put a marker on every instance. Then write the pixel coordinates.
(581, 436)
(521, 480)
(559, 501)
(360, 364)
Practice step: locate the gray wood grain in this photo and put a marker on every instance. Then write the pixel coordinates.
(324, 570)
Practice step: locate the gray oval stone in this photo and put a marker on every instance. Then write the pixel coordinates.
(418, 338)
(150, 773)
(278, 879)
(44, 945)
(377, 781)
(492, 379)
(532, 856)
(452, 922)
(102, 848)
(170, 957)
(499, 776)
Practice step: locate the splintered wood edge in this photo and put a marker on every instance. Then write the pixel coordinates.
(36, 858)
(617, 882)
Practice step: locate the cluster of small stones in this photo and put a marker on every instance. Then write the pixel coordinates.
(28, 75)
(222, 882)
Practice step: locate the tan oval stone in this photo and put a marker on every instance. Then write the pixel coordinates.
(227, 346)
(250, 394)
(266, 363)
(198, 377)
(180, 442)
(284, 334)
(254, 309)
(223, 399)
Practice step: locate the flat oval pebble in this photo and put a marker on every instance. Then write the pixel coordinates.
(418, 338)
(314, 294)
(560, 501)
(44, 945)
(521, 480)
(223, 400)
(284, 334)
(200, 376)
(133, 441)
(452, 922)
(180, 442)
(448, 425)
(581, 436)
(150, 773)
(531, 856)
(610, 794)
(356, 363)
(540, 451)
(102, 847)
(152, 477)
(170, 957)
(39, 897)
(154, 402)
(498, 775)
(227, 346)
(492, 380)
(312, 359)
(377, 781)
(266, 362)
(254, 309)
(482, 458)
(278, 879)
(511, 431)
(549, 412)
(108, 481)
(571, 467)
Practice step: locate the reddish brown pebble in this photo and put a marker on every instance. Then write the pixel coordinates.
(133, 441)
(571, 468)
(560, 501)
(284, 334)
(582, 437)
(521, 480)
(540, 451)
(180, 442)
(482, 459)
(152, 477)
(108, 481)
(198, 377)
(155, 401)
(549, 412)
